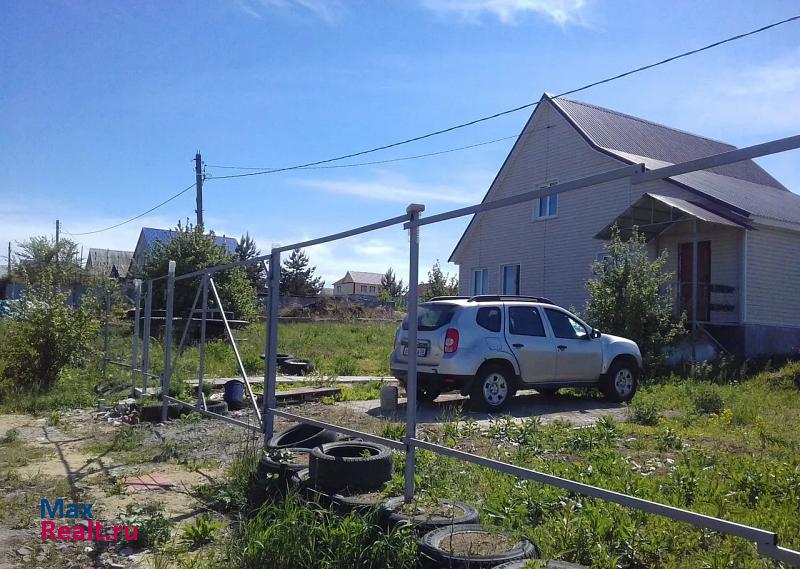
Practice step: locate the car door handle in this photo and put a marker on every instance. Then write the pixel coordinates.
(561, 348)
(518, 345)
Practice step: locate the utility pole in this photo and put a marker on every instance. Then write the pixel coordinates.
(198, 173)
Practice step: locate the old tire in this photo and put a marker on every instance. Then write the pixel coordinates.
(272, 464)
(492, 388)
(344, 503)
(152, 413)
(621, 381)
(357, 465)
(432, 545)
(302, 436)
(303, 483)
(218, 407)
(391, 517)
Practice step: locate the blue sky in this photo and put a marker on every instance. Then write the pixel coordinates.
(103, 105)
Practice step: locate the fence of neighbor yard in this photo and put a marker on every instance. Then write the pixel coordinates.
(765, 541)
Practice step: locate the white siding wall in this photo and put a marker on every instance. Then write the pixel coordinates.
(773, 277)
(555, 255)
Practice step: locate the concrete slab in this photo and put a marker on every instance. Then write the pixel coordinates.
(578, 411)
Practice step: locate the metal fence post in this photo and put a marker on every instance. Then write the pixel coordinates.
(137, 300)
(414, 211)
(201, 400)
(168, 340)
(105, 333)
(271, 367)
(148, 310)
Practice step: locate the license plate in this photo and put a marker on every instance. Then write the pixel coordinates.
(421, 352)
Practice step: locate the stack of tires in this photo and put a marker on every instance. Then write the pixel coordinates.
(452, 537)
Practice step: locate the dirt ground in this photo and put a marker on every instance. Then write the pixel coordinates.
(87, 456)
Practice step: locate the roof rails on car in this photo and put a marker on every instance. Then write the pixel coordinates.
(448, 298)
(500, 298)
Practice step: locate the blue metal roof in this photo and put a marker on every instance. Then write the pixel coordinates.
(151, 235)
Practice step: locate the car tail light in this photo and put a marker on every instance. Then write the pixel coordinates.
(451, 341)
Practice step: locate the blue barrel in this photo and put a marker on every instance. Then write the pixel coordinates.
(233, 394)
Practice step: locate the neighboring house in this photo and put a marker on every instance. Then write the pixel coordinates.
(357, 282)
(746, 224)
(108, 263)
(148, 237)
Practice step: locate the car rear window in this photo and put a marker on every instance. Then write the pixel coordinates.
(432, 316)
(489, 317)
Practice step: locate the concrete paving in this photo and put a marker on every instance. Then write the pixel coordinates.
(578, 411)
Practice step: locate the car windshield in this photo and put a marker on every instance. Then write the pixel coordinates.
(432, 316)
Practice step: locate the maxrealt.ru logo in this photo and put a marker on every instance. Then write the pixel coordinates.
(93, 531)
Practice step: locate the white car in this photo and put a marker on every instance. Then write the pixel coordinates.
(490, 346)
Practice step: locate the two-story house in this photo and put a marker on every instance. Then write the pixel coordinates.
(745, 223)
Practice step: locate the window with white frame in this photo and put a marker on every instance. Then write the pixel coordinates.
(546, 207)
(480, 281)
(509, 279)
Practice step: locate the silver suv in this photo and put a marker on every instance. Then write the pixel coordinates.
(489, 346)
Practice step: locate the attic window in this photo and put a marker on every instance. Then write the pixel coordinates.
(546, 207)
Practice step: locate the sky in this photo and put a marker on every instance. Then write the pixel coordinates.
(103, 105)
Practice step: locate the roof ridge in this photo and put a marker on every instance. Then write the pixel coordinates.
(641, 120)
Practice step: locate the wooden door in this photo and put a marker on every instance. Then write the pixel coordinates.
(685, 277)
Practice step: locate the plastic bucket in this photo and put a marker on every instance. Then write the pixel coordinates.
(233, 394)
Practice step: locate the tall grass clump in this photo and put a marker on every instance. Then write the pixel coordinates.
(296, 535)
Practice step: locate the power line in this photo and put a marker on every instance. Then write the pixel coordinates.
(519, 108)
(152, 209)
(319, 163)
(375, 161)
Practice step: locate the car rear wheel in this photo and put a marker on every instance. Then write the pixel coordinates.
(492, 388)
(621, 381)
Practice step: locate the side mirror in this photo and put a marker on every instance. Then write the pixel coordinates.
(595, 333)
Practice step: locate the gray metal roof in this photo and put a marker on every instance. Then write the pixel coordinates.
(362, 278)
(616, 131)
(102, 262)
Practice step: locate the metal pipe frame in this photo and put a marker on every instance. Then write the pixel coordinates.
(165, 377)
(201, 370)
(105, 333)
(242, 371)
(148, 312)
(271, 348)
(189, 321)
(396, 445)
(766, 541)
(137, 300)
(231, 420)
(414, 211)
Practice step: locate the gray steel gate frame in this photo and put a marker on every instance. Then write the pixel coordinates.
(766, 541)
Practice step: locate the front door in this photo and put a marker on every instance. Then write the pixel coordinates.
(578, 356)
(534, 349)
(685, 276)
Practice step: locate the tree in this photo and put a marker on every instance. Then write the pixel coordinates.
(391, 288)
(297, 278)
(45, 335)
(629, 297)
(440, 284)
(193, 250)
(256, 273)
(41, 253)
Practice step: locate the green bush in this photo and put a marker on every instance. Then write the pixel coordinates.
(202, 531)
(45, 336)
(345, 366)
(707, 399)
(154, 528)
(643, 411)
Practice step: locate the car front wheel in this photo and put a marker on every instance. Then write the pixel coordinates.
(621, 381)
(492, 389)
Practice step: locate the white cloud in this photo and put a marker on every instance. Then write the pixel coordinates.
(329, 11)
(561, 12)
(755, 99)
(396, 188)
